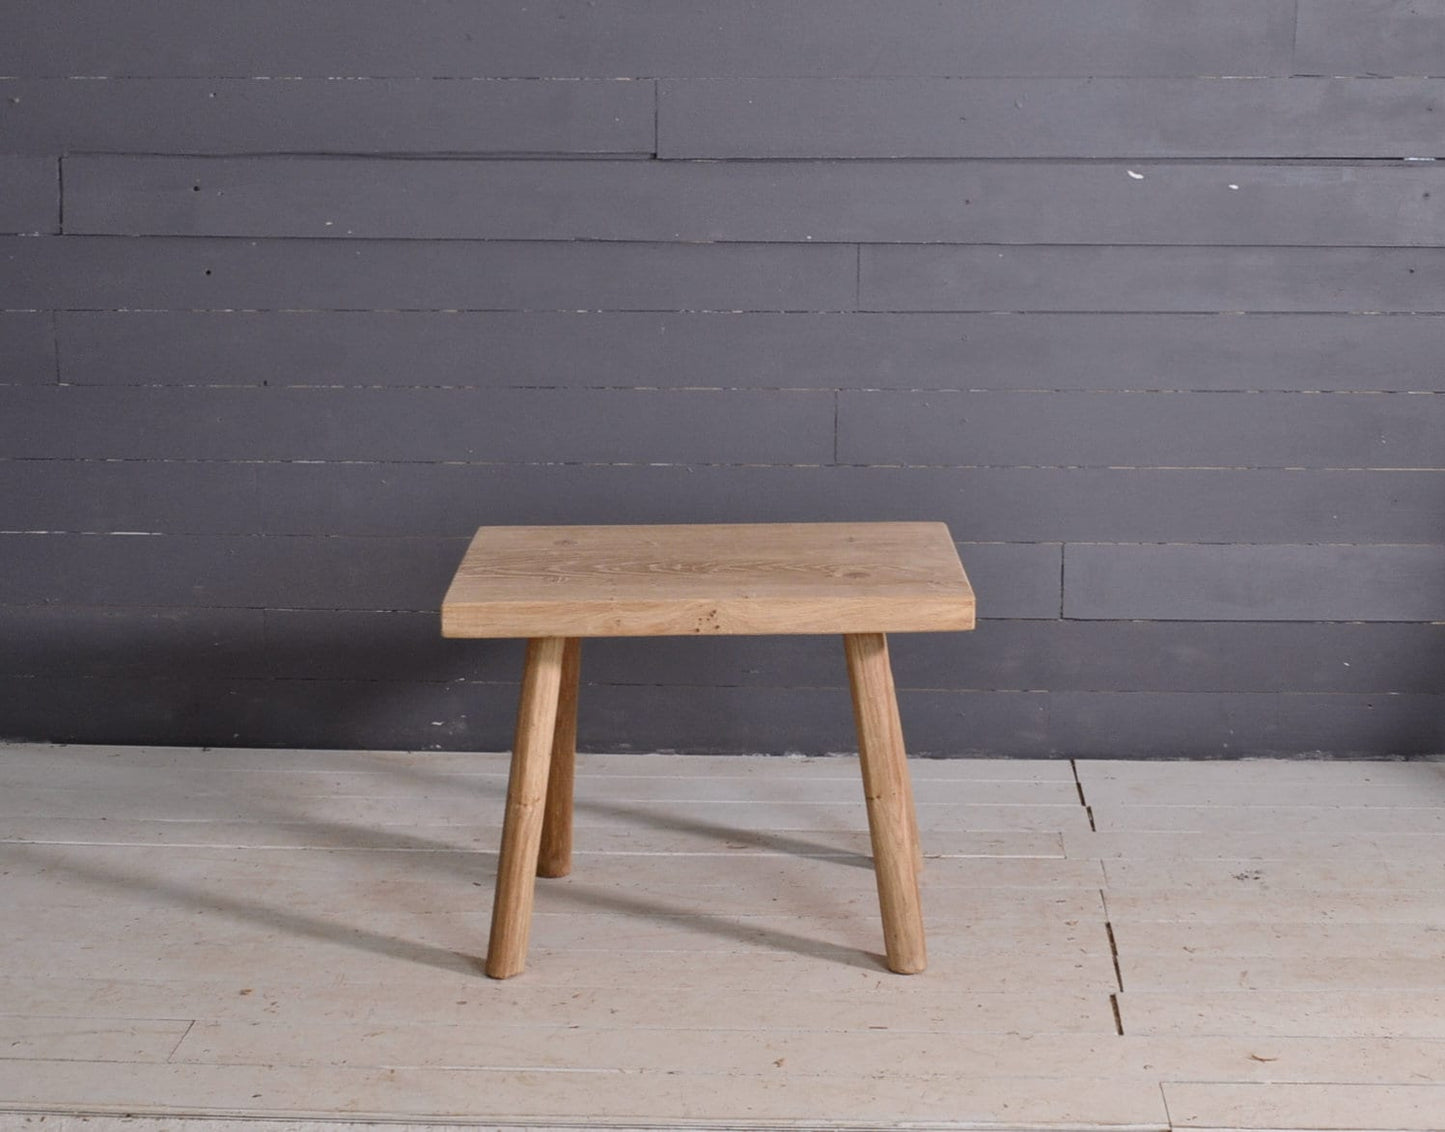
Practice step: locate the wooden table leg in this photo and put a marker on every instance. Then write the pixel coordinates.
(556, 855)
(892, 822)
(526, 796)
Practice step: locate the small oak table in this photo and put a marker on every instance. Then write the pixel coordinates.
(556, 585)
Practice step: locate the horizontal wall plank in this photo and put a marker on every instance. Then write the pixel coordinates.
(1008, 655)
(1093, 656)
(358, 645)
(943, 278)
(382, 116)
(349, 645)
(27, 348)
(837, 350)
(1159, 504)
(574, 38)
(673, 426)
(1371, 37)
(412, 716)
(224, 570)
(1018, 505)
(216, 712)
(72, 709)
(169, 497)
(1202, 725)
(1066, 656)
(453, 499)
(1050, 118)
(1255, 583)
(1218, 430)
(981, 504)
(757, 720)
(463, 716)
(958, 202)
(92, 641)
(112, 273)
(29, 194)
(1015, 580)
(1139, 656)
(468, 716)
(334, 572)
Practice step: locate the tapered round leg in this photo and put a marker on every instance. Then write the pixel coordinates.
(556, 855)
(526, 796)
(892, 823)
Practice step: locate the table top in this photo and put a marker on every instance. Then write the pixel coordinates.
(681, 580)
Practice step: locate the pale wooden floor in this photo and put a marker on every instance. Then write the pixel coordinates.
(289, 935)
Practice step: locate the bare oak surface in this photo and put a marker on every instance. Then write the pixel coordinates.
(683, 579)
(526, 807)
(555, 585)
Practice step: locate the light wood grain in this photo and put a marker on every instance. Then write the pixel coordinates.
(526, 800)
(892, 822)
(555, 857)
(858, 579)
(708, 579)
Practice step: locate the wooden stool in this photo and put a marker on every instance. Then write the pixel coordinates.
(556, 585)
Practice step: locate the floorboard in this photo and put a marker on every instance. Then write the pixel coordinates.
(290, 941)
(1396, 1108)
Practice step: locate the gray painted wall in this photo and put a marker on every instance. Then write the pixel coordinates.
(1162, 346)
